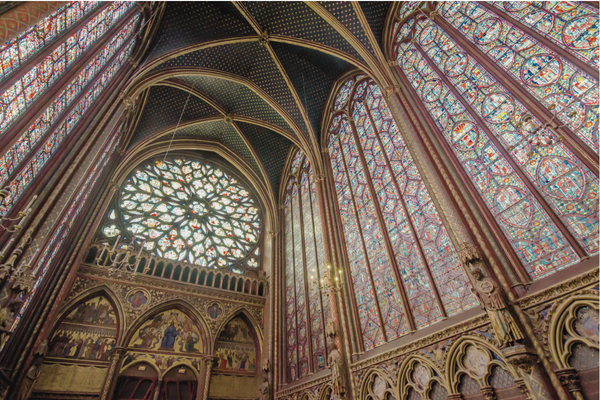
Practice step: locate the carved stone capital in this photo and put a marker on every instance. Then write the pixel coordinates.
(391, 89)
(272, 234)
(134, 64)
(118, 352)
(523, 387)
(569, 379)
(393, 63)
(210, 361)
(488, 392)
(127, 101)
(521, 357)
(469, 253)
(319, 177)
(23, 282)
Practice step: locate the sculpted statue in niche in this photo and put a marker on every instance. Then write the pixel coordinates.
(336, 364)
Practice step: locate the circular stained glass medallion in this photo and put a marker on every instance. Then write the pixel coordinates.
(189, 211)
(487, 31)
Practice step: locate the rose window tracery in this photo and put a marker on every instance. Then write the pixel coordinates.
(188, 211)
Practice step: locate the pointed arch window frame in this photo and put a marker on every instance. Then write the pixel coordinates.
(345, 108)
(316, 303)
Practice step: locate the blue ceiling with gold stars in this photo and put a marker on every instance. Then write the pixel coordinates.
(268, 65)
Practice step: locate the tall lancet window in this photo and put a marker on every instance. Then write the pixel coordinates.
(72, 44)
(498, 96)
(306, 307)
(405, 269)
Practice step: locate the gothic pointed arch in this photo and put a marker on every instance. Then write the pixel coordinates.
(378, 385)
(306, 306)
(420, 374)
(238, 345)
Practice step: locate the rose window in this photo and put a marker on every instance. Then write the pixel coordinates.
(188, 211)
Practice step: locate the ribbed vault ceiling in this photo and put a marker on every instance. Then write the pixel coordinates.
(210, 55)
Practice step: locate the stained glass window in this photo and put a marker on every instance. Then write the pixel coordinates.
(542, 195)
(188, 211)
(19, 151)
(396, 243)
(565, 90)
(305, 266)
(62, 230)
(15, 100)
(18, 50)
(572, 25)
(52, 142)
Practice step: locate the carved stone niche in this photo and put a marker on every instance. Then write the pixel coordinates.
(521, 357)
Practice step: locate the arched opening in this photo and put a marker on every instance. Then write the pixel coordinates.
(217, 281)
(179, 384)
(136, 382)
(225, 282)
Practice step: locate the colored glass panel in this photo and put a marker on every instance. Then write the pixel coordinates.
(566, 184)
(189, 211)
(18, 151)
(301, 300)
(535, 238)
(28, 88)
(18, 50)
(60, 234)
(423, 304)
(290, 290)
(363, 288)
(296, 161)
(31, 170)
(397, 169)
(572, 25)
(565, 90)
(381, 264)
(314, 294)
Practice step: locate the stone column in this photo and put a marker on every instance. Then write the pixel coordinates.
(455, 396)
(210, 361)
(116, 355)
(157, 389)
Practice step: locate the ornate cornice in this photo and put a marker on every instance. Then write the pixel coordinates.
(422, 343)
(562, 289)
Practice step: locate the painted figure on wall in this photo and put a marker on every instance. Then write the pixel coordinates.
(236, 350)
(88, 332)
(171, 331)
(137, 300)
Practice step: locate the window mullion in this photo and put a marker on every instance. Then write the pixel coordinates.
(572, 141)
(38, 106)
(509, 159)
(316, 247)
(363, 244)
(306, 292)
(408, 216)
(59, 121)
(543, 40)
(386, 238)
